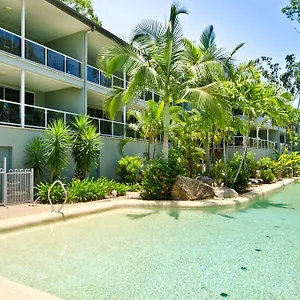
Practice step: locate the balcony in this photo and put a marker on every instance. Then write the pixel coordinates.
(238, 142)
(97, 77)
(34, 52)
(40, 117)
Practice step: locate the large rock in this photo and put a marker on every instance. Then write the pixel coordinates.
(186, 188)
(206, 180)
(223, 192)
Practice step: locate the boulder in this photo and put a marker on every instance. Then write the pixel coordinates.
(206, 180)
(223, 192)
(186, 188)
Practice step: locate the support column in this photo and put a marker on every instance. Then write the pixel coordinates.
(257, 136)
(84, 71)
(22, 98)
(124, 107)
(268, 138)
(23, 28)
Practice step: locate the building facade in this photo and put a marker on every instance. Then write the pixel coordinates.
(48, 70)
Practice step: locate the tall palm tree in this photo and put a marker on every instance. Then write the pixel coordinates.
(154, 59)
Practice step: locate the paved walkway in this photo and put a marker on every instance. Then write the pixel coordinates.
(21, 210)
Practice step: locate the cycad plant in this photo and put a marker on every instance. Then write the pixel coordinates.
(57, 145)
(86, 146)
(35, 157)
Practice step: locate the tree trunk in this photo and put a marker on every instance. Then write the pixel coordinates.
(244, 156)
(225, 162)
(166, 124)
(207, 154)
(148, 150)
(154, 149)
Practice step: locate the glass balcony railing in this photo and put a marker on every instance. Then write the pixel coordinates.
(52, 59)
(96, 76)
(10, 113)
(10, 42)
(41, 117)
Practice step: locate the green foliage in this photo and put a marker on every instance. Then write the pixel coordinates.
(57, 144)
(292, 11)
(135, 187)
(267, 176)
(57, 193)
(85, 8)
(86, 145)
(129, 168)
(267, 163)
(244, 175)
(289, 164)
(251, 164)
(35, 157)
(159, 176)
(89, 189)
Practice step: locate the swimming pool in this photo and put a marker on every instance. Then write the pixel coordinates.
(253, 253)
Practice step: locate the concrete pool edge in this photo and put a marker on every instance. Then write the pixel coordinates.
(10, 290)
(123, 202)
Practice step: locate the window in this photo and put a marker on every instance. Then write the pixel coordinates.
(29, 98)
(96, 113)
(12, 95)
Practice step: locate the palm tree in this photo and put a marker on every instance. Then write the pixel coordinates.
(149, 124)
(57, 144)
(208, 66)
(154, 59)
(86, 145)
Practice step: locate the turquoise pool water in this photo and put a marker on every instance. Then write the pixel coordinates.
(253, 253)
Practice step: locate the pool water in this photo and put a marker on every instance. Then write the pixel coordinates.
(251, 253)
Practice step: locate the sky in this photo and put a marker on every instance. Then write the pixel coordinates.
(258, 23)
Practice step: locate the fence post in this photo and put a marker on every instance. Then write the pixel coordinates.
(31, 185)
(4, 183)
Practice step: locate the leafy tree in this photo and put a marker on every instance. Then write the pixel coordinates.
(268, 69)
(292, 11)
(86, 146)
(85, 8)
(149, 123)
(154, 60)
(57, 144)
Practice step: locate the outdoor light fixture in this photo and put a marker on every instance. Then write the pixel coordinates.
(7, 8)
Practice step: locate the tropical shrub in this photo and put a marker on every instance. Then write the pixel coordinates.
(129, 168)
(86, 145)
(57, 144)
(89, 189)
(159, 176)
(267, 176)
(35, 157)
(266, 163)
(289, 164)
(243, 177)
(57, 194)
(251, 164)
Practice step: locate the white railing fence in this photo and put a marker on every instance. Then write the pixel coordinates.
(16, 186)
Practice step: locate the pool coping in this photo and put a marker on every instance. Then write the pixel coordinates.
(259, 192)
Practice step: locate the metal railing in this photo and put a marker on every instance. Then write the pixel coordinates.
(40, 117)
(40, 54)
(238, 141)
(16, 186)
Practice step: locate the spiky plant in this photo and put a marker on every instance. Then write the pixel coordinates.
(35, 157)
(86, 145)
(57, 145)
